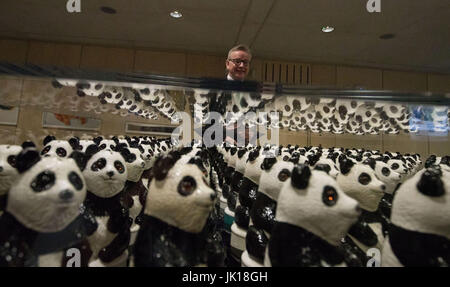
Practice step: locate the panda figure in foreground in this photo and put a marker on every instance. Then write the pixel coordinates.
(44, 216)
(8, 171)
(420, 231)
(177, 207)
(312, 216)
(105, 175)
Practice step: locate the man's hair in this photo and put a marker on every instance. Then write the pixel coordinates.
(240, 47)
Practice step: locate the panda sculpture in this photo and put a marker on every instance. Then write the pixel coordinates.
(360, 182)
(420, 231)
(8, 171)
(177, 206)
(106, 174)
(312, 216)
(60, 148)
(45, 215)
(274, 174)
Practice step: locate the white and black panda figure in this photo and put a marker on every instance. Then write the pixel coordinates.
(60, 148)
(111, 95)
(106, 174)
(420, 231)
(89, 88)
(360, 182)
(177, 207)
(275, 173)
(312, 216)
(8, 171)
(45, 215)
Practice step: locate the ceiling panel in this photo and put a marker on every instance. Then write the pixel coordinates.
(278, 29)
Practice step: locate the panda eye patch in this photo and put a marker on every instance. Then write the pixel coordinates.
(285, 158)
(12, 160)
(395, 166)
(131, 158)
(61, 152)
(46, 150)
(75, 179)
(187, 186)
(119, 166)
(385, 171)
(284, 175)
(43, 181)
(364, 178)
(329, 195)
(98, 164)
(103, 146)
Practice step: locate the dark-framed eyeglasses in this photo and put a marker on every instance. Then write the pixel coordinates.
(238, 62)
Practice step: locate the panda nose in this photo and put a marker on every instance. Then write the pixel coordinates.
(358, 209)
(1, 168)
(66, 194)
(110, 173)
(213, 196)
(383, 187)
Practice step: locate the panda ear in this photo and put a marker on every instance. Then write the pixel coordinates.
(97, 140)
(162, 167)
(75, 143)
(80, 158)
(430, 183)
(125, 152)
(386, 159)
(345, 165)
(48, 139)
(27, 158)
(268, 162)
(300, 176)
(371, 162)
(141, 149)
(91, 150)
(26, 144)
(323, 167)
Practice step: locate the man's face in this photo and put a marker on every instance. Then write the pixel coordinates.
(238, 65)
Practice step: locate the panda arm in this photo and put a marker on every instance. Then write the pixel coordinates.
(119, 244)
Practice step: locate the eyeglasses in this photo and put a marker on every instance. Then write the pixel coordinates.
(238, 62)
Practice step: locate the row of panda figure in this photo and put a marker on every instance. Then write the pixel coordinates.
(146, 202)
(293, 206)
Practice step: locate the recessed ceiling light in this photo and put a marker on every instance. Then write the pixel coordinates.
(327, 29)
(176, 14)
(387, 36)
(108, 10)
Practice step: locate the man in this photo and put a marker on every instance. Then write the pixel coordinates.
(238, 62)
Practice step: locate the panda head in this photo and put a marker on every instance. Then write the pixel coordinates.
(179, 194)
(312, 199)
(84, 144)
(134, 161)
(49, 191)
(59, 148)
(422, 203)
(105, 173)
(253, 168)
(360, 182)
(8, 171)
(148, 154)
(384, 173)
(90, 88)
(398, 166)
(275, 173)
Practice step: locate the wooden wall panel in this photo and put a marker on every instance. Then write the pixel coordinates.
(115, 59)
(293, 138)
(439, 83)
(205, 66)
(14, 51)
(323, 75)
(372, 142)
(404, 81)
(439, 145)
(353, 77)
(62, 55)
(160, 62)
(405, 143)
(10, 91)
(326, 140)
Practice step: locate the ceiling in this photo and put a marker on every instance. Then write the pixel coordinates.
(274, 29)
